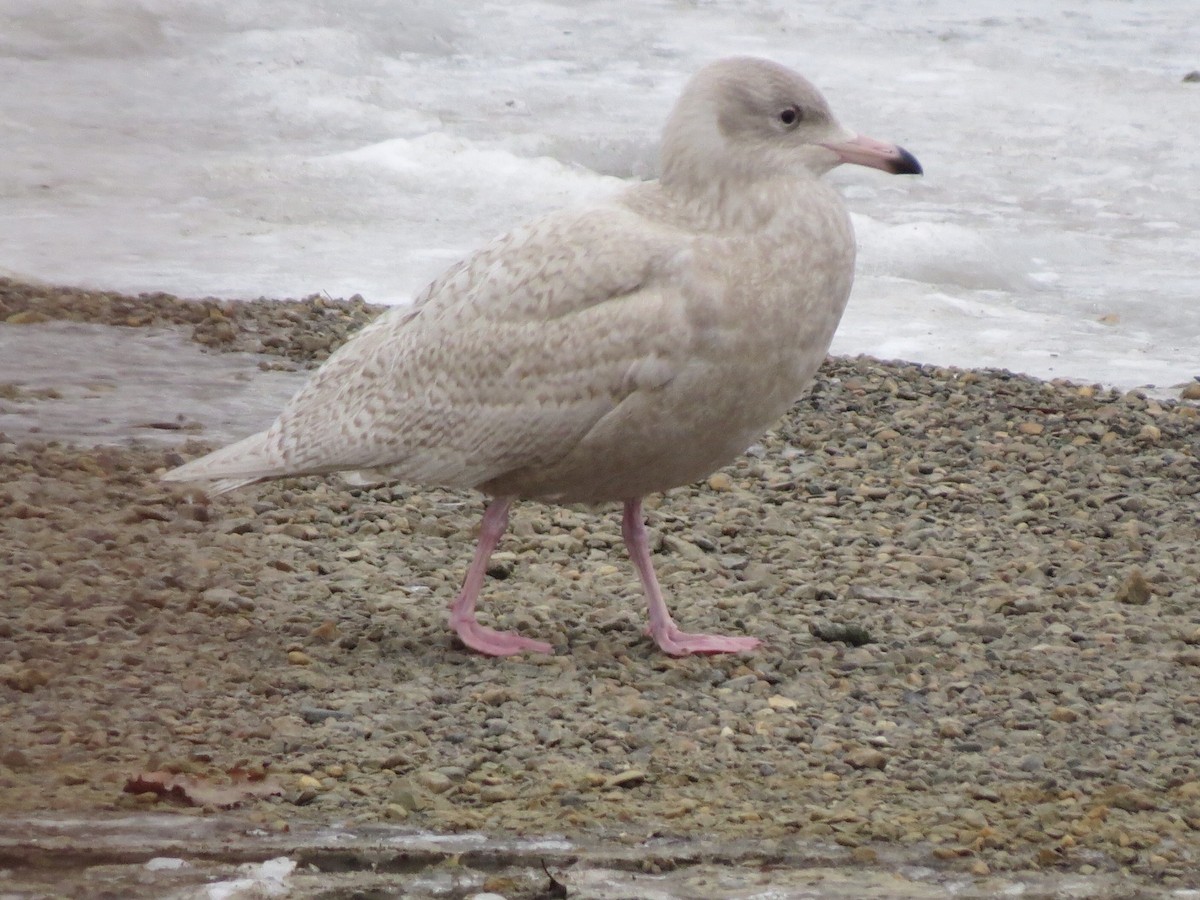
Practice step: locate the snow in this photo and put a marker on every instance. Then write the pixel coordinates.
(284, 147)
(165, 863)
(265, 879)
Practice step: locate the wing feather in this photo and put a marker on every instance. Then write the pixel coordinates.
(506, 361)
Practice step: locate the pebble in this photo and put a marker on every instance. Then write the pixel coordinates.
(1149, 433)
(403, 796)
(720, 481)
(628, 778)
(866, 758)
(497, 793)
(315, 715)
(1134, 589)
(1000, 633)
(225, 600)
(948, 638)
(434, 782)
(950, 728)
(973, 817)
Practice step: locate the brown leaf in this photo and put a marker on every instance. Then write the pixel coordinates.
(193, 791)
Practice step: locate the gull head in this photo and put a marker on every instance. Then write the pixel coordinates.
(749, 120)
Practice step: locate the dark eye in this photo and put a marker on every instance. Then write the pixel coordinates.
(791, 116)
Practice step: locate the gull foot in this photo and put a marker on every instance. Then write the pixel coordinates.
(497, 643)
(681, 643)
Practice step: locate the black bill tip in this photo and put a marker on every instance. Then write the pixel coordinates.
(907, 164)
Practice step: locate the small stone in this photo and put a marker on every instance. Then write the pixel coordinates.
(854, 635)
(1149, 434)
(973, 817)
(628, 778)
(298, 658)
(1134, 589)
(950, 728)
(314, 715)
(866, 758)
(1047, 858)
(1189, 790)
(301, 532)
(1031, 428)
(326, 631)
(719, 481)
(497, 793)
(947, 638)
(26, 317)
(1031, 763)
(25, 679)
(778, 701)
(1063, 714)
(434, 782)
(1134, 801)
(308, 783)
(404, 797)
(15, 759)
(225, 600)
(1191, 391)
(741, 682)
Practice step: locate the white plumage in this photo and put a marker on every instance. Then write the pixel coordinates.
(603, 353)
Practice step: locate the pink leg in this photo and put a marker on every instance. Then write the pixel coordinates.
(462, 612)
(662, 627)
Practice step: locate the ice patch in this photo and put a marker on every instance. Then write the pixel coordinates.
(265, 879)
(165, 864)
(940, 253)
(435, 163)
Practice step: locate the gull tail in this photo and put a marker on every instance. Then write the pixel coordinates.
(231, 467)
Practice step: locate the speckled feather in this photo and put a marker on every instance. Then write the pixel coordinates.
(603, 353)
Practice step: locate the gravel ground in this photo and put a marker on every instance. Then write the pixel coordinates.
(979, 595)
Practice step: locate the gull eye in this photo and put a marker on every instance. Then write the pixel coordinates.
(791, 116)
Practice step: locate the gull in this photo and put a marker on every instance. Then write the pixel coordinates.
(603, 353)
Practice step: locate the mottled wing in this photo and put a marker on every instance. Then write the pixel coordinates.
(504, 362)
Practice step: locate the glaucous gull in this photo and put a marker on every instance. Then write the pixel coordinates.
(604, 353)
